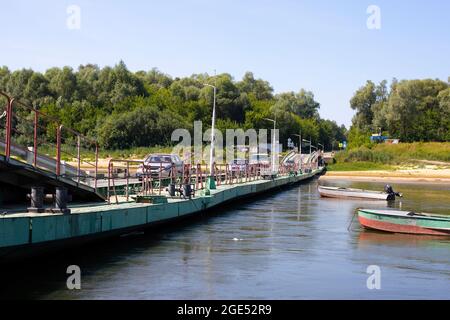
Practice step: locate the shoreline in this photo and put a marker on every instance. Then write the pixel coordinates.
(412, 176)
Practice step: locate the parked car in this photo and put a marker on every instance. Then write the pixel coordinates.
(259, 158)
(290, 162)
(156, 162)
(239, 165)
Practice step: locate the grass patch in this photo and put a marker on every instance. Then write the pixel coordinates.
(390, 156)
(134, 153)
(396, 154)
(359, 166)
(437, 151)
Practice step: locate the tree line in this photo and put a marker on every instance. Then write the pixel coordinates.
(410, 110)
(124, 109)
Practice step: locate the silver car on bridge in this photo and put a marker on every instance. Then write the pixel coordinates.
(156, 163)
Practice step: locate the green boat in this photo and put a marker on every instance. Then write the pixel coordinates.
(405, 222)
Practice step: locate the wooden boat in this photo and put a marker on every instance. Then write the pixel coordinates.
(339, 192)
(405, 222)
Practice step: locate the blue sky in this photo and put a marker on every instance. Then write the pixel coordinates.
(322, 46)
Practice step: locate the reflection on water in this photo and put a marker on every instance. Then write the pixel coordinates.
(373, 238)
(288, 245)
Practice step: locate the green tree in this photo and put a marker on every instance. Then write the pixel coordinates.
(444, 105)
(414, 111)
(363, 101)
(62, 83)
(230, 103)
(259, 88)
(301, 104)
(124, 109)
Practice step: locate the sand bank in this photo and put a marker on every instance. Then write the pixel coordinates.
(406, 175)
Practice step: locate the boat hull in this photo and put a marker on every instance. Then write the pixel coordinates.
(352, 194)
(404, 224)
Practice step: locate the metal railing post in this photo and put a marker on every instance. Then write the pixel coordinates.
(79, 158)
(202, 173)
(96, 167)
(160, 178)
(109, 183)
(35, 144)
(127, 177)
(8, 127)
(58, 150)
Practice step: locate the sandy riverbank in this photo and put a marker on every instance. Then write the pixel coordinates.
(401, 175)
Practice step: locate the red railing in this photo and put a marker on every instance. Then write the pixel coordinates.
(29, 137)
(7, 116)
(27, 125)
(86, 162)
(134, 176)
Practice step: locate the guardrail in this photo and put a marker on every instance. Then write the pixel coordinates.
(29, 137)
(28, 131)
(127, 178)
(79, 138)
(7, 116)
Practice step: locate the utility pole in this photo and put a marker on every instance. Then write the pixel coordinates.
(273, 143)
(211, 183)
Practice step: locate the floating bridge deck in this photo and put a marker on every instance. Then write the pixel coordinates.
(28, 159)
(91, 214)
(23, 232)
(17, 178)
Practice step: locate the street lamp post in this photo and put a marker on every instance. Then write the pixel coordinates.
(273, 142)
(304, 140)
(211, 183)
(300, 150)
(299, 142)
(310, 145)
(310, 149)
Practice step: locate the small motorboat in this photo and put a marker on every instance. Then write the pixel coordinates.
(340, 192)
(405, 222)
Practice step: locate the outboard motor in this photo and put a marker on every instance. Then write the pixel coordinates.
(390, 191)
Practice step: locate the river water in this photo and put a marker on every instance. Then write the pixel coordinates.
(287, 245)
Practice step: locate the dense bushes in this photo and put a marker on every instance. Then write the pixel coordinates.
(148, 126)
(397, 153)
(123, 109)
(411, 110)
(365, 154)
